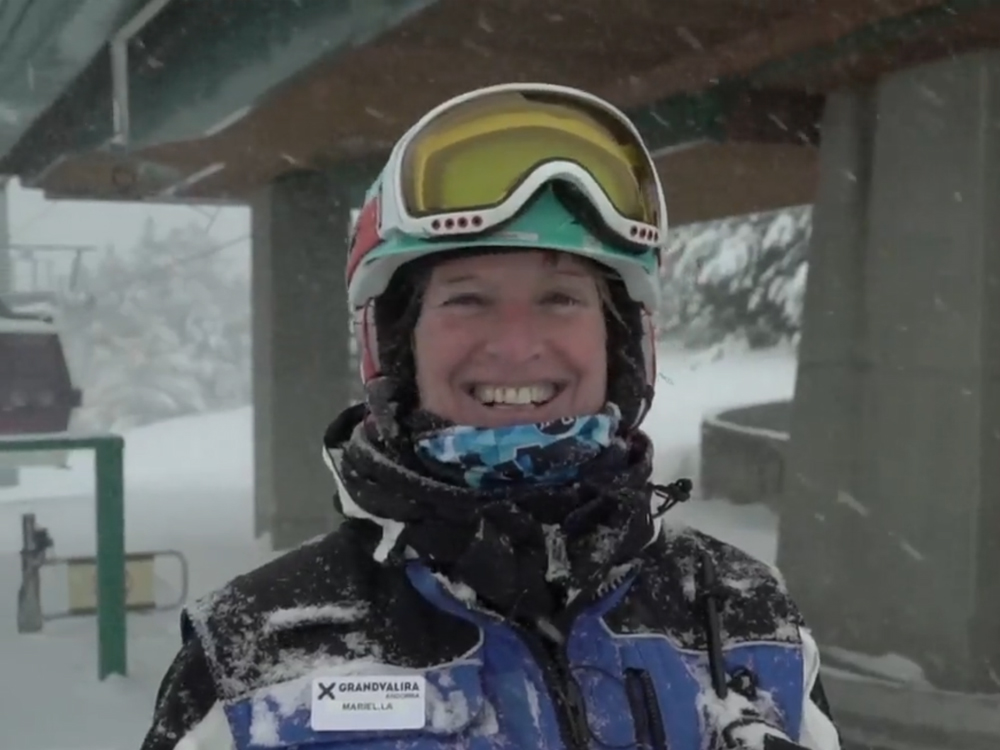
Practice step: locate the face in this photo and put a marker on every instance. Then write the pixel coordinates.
(511, 338)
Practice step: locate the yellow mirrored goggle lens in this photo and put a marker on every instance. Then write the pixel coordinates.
(476, 155)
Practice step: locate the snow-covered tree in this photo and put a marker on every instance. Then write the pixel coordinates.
(164, 330)
(160, 332)
(740, 277)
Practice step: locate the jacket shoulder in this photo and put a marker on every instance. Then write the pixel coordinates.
(322, 604)
(668, 595)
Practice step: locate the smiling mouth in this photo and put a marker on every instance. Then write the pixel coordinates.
(508, 397)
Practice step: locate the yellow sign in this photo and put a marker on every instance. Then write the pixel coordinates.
(81, 579)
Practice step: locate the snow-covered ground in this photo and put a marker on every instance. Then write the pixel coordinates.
(189, 487)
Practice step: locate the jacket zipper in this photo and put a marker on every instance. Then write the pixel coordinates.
(650, 734)
(569, 705)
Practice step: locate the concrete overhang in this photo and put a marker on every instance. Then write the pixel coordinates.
(227, 96)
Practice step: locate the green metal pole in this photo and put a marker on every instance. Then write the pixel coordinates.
(111, 633)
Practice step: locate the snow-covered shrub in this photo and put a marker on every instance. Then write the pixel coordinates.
(159, 332)
(739, 277)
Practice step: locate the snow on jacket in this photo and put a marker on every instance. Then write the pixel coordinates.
(262, 655)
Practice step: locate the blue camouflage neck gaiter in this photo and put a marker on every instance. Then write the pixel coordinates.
(538, 454)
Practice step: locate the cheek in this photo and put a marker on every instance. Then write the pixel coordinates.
(426, 345)
(585, 344)
(438, 347)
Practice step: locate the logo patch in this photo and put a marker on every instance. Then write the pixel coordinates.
(369, 702)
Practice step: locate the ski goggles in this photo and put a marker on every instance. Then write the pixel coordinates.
(474, 162)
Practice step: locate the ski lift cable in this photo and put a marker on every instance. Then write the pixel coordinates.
(163, 273)
(34, 219)
(212, 219)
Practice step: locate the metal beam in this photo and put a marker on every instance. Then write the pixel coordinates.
(6, 266)
(683, 118)
(733, 113)
(205, 83)
(189, 85)
(184, 86)
(869, 38)
(119, 67)
(44, 46)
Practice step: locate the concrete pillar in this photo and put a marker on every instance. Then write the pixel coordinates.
(891, 533)
(6, 266)
(302, 376)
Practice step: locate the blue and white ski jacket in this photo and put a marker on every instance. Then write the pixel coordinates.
(326, 648)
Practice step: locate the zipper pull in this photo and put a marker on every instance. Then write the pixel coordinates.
(577, 712)
(710, 593)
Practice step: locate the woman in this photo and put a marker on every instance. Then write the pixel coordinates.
(501, 579)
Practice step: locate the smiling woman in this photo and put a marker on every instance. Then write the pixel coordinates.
(503, 535)
(497, 336)
(506, 338)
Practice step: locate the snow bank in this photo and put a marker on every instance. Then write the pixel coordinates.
(204, 453)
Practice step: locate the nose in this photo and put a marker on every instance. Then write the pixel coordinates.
(516, 334)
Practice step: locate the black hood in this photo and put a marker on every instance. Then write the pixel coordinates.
(502, 543)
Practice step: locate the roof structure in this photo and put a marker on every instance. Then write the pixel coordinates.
(207, 100)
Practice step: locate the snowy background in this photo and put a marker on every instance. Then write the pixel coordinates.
(162, 329)
(159, 339)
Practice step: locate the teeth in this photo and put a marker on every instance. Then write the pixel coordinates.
(529, 394)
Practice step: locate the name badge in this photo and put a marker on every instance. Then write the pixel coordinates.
(366, 703)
